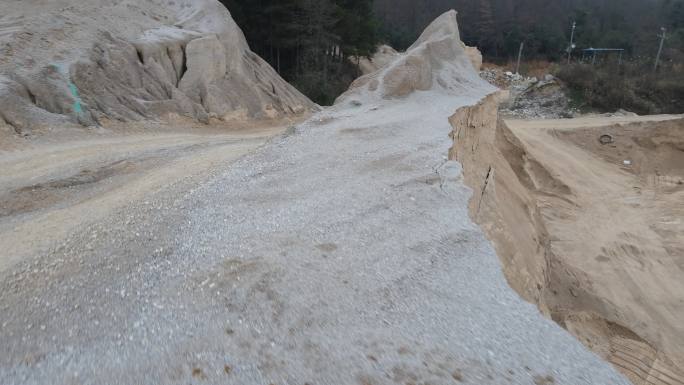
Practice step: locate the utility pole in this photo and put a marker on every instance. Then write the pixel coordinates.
(572, 40)
(517, 66)
(660, 49)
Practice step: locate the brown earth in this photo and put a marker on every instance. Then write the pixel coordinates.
(587, 216)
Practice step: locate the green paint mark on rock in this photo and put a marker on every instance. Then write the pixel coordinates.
(77, 102)
(77, 107)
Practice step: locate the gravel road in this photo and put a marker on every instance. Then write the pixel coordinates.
(341, 253)
(51, 189)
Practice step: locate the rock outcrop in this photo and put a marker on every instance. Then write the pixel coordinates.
(584, 216)
(83, 63)
(386, 54)
(438, 60)
(382, 56)
(475, 57)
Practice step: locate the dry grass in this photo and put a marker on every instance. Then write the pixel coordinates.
(633, 87)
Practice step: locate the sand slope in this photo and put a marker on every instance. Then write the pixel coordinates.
(590, 231)
(438, 60)
(340, 253)
(386, 54)
(83, 63)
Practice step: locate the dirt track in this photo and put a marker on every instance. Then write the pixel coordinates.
(50, 190)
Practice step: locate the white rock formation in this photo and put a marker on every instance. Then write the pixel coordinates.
(66, 61)
(382, 56)
(437, 60)
(475, 57)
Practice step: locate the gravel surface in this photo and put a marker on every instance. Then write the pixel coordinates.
(341, 253)
(49, 191)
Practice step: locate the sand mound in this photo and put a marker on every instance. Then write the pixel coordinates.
(586, 215)
(438, 60)
(62, 62)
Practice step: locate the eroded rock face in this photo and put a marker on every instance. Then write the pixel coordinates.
(80, 63)
(475, 57)
(582, 214)
(386, 54)
(382, 56)
(438, 60)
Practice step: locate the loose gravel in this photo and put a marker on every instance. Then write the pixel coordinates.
(341, 253)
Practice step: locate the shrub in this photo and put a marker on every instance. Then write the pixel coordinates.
(632, 86)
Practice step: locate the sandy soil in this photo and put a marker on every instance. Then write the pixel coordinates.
(48, 189)
(587, 217)
(339, 254)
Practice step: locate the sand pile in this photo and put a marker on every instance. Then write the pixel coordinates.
(66, 62)
(438, 60)
(586, 215)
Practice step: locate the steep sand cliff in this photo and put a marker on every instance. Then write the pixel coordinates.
(587, 217)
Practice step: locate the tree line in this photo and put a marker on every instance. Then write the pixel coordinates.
(309, 42)
(498, 27)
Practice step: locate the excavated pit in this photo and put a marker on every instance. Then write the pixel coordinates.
(586, 216)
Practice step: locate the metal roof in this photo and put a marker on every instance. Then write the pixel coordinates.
(603, 49)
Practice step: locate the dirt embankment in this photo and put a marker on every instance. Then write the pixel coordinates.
(587, 217)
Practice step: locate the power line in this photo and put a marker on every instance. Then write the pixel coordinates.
(572, 38)
(660, 49)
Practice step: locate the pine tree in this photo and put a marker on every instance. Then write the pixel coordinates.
(486, 27)
(309, 41)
